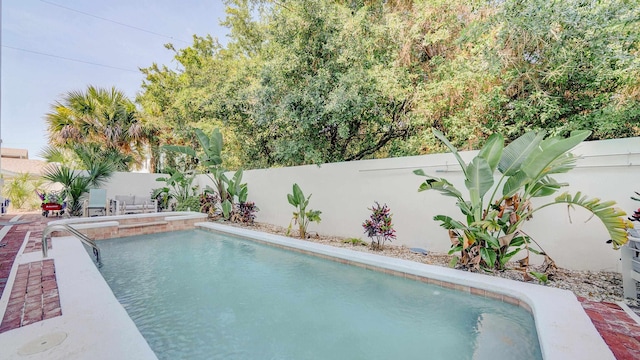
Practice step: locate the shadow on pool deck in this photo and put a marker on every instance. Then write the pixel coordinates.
(617, 328)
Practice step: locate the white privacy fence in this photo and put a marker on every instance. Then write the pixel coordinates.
(608, 169)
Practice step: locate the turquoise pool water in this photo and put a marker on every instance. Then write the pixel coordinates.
(200, 295)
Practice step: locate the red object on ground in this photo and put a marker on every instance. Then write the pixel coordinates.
(51, 207)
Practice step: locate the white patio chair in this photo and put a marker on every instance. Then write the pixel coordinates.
(631, 265)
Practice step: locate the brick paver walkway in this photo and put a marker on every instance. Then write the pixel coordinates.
(34, 296)
(618, 330)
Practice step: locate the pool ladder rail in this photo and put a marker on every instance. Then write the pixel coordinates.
(82, 237)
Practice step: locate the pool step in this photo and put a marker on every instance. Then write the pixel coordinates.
(151, 223)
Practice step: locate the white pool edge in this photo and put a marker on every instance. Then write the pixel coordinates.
(564, 329)
(96, 325)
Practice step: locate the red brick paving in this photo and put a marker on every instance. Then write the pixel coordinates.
(14, 239)
(34, 296)
(618, 329)
(12, 243)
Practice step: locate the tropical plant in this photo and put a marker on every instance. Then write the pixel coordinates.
(163, 196)
(208, 203)
(234, 189)
(19, 190)
(179, 188)
(302, 216)
(245, 212)
(491, 234)
(379, 227)
(192, 203)
(77, 183)
(210, 158)
(230, 191)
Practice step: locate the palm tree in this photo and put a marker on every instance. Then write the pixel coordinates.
(104, 118)
(79, 155)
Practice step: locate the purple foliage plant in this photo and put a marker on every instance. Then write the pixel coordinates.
(379, 226)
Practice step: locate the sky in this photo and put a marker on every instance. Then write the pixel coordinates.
(76, 29)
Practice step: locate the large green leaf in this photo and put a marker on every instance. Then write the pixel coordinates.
(203, 139)
(506, 257)
(545, 187)
(492, 242)
(226, 209)
(488, 256)
(453, 149)
(244, 192)
(448, 222)
(441, 185)
(518, 151)
(611, 217)
(492, 150)
(479, 181)
(465, 207)
(297, 194)
(549, 150)
(479, 176)
(514, 183)
(562, 164)
(216, 142)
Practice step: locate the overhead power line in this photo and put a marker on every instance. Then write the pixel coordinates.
(69, 59)
(115, 22)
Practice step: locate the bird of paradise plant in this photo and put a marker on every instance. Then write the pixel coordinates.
(491, 234)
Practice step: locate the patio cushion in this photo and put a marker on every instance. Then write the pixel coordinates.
(141, 200)
(127, 199)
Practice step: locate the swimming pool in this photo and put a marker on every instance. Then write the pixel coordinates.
(201, 295)
(98, 327)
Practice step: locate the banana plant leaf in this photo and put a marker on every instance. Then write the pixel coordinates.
(453, 149)
(438, 184)
(492, 150)
(549, 150)
(479, 181)
(613, 218)
(518, 151)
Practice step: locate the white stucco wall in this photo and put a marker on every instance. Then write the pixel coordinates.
(609, 170)
(123, 183)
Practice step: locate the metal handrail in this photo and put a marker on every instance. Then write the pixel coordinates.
(82, 237)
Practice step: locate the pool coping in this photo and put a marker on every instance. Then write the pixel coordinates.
(565, 331)
(94, 324)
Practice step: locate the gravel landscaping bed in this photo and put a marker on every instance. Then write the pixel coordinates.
(592, 285)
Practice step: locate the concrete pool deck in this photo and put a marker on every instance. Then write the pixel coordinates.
(86, 328)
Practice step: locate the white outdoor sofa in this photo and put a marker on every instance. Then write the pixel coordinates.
(133, 204)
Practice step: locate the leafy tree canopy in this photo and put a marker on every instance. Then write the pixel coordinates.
(307, 81)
